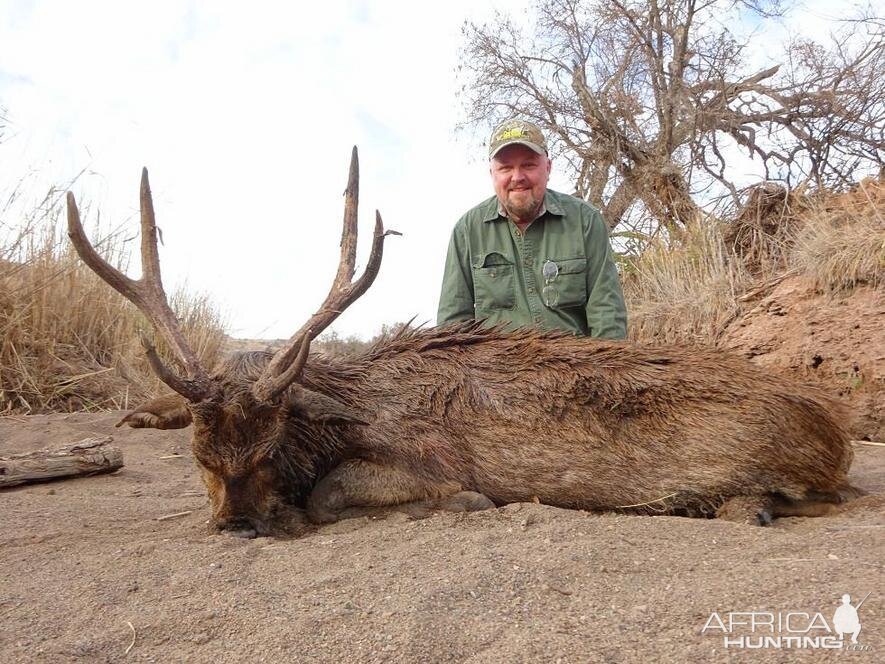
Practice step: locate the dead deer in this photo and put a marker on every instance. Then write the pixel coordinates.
(464, 417)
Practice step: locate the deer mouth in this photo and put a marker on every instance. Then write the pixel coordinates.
(242, 527)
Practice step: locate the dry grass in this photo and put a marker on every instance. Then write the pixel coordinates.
(762, 233)
(689, 291)
(67, 340)
(685, 293)
(842, 241)
(333, 344)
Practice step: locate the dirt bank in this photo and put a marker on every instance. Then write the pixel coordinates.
(836, 340)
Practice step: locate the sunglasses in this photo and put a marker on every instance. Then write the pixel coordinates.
(549, 293)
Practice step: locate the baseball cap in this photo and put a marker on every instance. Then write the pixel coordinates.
(517, 131)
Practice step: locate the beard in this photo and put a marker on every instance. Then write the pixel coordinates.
(522, 205)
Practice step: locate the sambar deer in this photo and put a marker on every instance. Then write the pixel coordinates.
(464, 417)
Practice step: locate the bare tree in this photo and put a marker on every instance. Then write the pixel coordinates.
(649, 100)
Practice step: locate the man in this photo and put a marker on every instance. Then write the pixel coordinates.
(530, 255)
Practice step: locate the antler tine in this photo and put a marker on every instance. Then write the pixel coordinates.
(373, 265)
(150, 256)
(158, 311)
(147, 294)
(350, 230)
(183, 387)
(266, 388)
(284, 368)
(112, 276)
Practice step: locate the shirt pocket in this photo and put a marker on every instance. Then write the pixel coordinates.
(569, 288)
(494, 285)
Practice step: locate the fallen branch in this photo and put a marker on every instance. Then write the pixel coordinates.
(132, 642)
(90, 456)
(767, 286)
(166, 517)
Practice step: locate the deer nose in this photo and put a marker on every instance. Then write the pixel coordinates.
(239, 527)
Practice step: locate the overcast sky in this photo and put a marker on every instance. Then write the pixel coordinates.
(245, 114)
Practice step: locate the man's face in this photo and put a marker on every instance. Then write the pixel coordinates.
(519, 175)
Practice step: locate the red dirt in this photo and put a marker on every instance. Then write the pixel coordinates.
(837, 341)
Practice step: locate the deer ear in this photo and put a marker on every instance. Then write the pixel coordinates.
(316, 407)
(167, 412)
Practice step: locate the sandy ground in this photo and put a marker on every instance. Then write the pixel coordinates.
(90, 574)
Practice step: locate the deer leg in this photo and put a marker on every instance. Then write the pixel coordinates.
(753, 510)
(358, 483)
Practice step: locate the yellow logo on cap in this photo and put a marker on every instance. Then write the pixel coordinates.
(512, 133)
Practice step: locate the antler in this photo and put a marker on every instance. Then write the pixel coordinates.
(285, 367)
(147, 294)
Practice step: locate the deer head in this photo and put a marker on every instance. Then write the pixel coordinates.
(244, 414)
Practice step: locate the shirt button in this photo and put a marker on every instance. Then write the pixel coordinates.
(529, 262)
(531, 289)
(537, 319)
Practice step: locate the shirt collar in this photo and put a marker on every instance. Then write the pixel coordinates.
(495, 211)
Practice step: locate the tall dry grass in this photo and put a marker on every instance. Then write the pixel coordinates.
(690, 290)
(67, 340)
(686, 293)
(842, 241)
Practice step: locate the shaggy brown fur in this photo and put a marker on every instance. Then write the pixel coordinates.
(520, 416)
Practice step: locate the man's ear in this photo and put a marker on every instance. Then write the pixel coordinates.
(167, 412)
(316, 407)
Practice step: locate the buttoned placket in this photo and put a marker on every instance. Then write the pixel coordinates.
(526, 248)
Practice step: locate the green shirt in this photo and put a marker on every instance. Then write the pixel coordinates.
(559, 274)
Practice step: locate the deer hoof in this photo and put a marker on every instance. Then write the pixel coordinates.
(467, 501)
(751, 510)
(320, 515)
